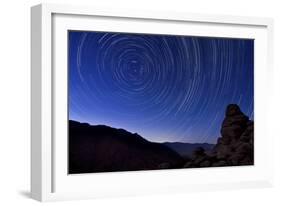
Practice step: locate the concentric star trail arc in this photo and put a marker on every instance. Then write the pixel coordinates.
(164, 87)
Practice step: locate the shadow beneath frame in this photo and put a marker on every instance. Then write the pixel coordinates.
(25, 193)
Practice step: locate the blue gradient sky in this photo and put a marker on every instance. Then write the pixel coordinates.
(166, 88)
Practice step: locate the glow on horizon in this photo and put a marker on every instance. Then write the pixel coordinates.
(145, 134)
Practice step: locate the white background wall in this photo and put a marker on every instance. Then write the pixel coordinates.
(15, 100)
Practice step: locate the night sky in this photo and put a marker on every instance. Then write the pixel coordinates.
(165, 88)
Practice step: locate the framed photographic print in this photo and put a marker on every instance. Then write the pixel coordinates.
(134, 102)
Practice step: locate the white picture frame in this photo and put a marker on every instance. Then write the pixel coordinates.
(49, 178)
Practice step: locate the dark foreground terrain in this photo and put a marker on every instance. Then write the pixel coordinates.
(104, 149)
(187, 149)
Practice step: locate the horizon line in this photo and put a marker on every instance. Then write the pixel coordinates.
(140, 134)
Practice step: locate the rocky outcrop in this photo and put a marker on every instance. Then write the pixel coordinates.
(234, 147)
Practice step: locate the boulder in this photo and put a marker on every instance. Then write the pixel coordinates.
(231, 132)
(234, 147)
(239, 119)
(232, 109)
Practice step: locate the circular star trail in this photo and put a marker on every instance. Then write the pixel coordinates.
(166, 88)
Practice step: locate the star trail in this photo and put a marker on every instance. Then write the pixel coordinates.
(163, 87)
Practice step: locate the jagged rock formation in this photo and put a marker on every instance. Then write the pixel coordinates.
(234, 147)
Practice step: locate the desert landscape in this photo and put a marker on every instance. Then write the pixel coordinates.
(100, 148)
